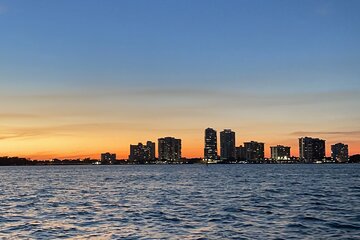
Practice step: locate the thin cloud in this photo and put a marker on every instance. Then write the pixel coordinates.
(61, 130)
(30, 133)
(17, 115)
(176, 92)
(342, 133)
(179, 93)
(172, 103)
(114, 93)
(17, 135)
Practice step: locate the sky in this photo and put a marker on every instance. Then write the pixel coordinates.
(78, 78)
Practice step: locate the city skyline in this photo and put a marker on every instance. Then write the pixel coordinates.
(78, 79)
(169, 149)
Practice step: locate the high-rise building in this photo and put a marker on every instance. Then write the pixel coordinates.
(311, 149)
(210, 149)
(280, 153)
(169, 149)
(108, 158)
(340, 152)
(240, 153)
(141, 153)
(151, 146)
(227, 145)
(254, 151)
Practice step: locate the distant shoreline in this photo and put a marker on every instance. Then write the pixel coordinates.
(164, 164)
(17, 161)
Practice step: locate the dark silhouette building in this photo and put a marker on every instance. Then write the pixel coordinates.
(311, 149)
(240, 153)
(340, 153)
(210, 149)
(141, 153)
(280, 153)
(108, 158)
(169, 149)
(354, 158)
(254, 151)
(7, 161)
(227, 145)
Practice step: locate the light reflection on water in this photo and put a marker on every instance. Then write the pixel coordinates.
(180, 202)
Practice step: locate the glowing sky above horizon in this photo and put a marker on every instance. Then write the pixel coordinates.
(83, 77)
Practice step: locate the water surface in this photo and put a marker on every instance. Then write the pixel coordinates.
(181, 202)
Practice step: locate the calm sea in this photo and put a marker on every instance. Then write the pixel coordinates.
(181, 202)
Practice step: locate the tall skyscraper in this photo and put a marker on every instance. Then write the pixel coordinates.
(280, 153)
(227, 145)
(108, 158)
(311, 149)
(169, 149)
(151, 146)
(340, 152)
(210, 149)
(254, 151)
(142, 153)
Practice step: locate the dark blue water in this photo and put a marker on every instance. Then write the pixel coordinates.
(181, 202)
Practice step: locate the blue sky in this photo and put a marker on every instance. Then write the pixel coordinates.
(242, 59)
(237, 43)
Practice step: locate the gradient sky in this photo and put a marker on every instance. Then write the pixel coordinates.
(78, 78)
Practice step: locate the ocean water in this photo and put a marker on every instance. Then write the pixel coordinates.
(316, 201)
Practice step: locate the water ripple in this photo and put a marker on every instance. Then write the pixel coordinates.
(180, 202)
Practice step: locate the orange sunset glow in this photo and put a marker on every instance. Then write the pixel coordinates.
(125, 79)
